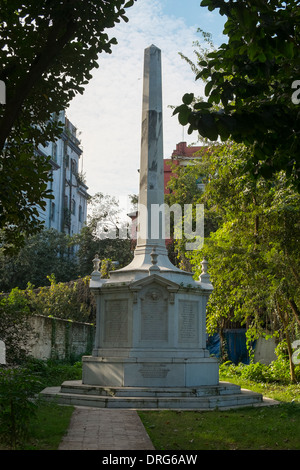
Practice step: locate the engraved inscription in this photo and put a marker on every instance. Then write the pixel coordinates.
(154, 316)
(188, 324)
(158, 371)
(116, 321)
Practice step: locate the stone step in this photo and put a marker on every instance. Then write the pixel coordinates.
(224, 388)
(234, 400)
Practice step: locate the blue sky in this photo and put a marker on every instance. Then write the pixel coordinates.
(108, 114)
(194, 15)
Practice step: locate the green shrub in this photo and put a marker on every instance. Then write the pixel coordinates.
(53, 372)
(277, 371)
(14, 325)
(256, 372)
(18, 403)
(68, 300)
(19, 394)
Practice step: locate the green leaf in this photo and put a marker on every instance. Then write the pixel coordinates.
(184, 115)
(261, 57)
(223, 131)
(208, 88)
(209, 127)
(130, 3)
(202, 105)
(188, 98)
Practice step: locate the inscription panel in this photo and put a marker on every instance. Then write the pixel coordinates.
(188, 321)
(154, 316)
(116, 321)
(151, 371)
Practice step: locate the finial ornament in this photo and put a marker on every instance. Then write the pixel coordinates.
(204, 276)
(154, 256)
(96, 264)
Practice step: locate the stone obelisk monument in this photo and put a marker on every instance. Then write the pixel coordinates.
(150, 342)
(150, 314)
(150, 235)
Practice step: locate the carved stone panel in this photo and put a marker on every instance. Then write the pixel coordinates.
(188, 321)
(116, 322)
(154, 315)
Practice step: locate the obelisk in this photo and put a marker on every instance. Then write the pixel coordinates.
(151, 214)
(151, 191)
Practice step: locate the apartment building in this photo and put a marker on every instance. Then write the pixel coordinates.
(67, 212)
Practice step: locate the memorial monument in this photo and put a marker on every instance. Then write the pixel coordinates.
(150, 343)
(150, 326)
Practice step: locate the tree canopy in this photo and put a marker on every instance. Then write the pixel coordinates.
(51, 253)
(252, 247)
(48, 50)
(251, 81)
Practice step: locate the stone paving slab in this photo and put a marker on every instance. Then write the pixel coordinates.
(105, 429)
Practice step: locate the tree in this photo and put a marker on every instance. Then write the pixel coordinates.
(104, 234)
(48, 50)
(66, 257)
(186, 187)
(45, 253)
(254, 254)
(250, 82)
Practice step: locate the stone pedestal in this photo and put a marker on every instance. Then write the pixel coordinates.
(150, 332)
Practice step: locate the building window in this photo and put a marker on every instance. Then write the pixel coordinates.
(73, 166)
(73, 206)
(52, 213)
(54, 152)
(66, 155)
(80, 214)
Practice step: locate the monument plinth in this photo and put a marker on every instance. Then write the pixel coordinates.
(151, 325)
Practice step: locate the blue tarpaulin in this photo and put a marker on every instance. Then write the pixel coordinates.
(235, 344)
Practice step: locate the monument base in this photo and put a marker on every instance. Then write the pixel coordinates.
(150, 372)
(205, 398)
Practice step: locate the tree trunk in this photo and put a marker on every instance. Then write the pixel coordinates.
(290, 350)
(285, 322)
(295, 310)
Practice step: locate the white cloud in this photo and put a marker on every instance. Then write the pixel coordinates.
(108, 114)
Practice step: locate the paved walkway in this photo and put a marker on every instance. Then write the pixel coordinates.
(105, 429)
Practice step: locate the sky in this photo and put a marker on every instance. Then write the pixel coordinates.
(108, 114)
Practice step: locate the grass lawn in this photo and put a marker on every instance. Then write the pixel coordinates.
(266, 428)
(270, 428)
(47, 429)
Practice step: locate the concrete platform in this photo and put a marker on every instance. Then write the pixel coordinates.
(222, 396)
